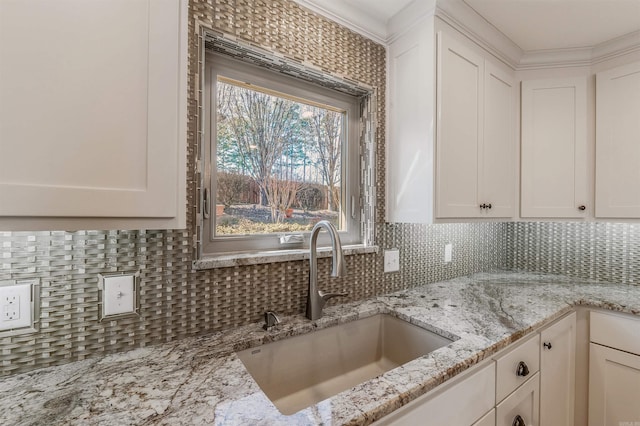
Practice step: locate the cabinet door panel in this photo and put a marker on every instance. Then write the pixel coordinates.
(617, 147)
(92, 118)
(411, 121)
(557, 372)
(498, 171)
(554, 148)
(459, 128)
(614, 387)
(524, 402)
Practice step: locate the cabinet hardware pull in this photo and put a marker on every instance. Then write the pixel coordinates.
(547, 345)
(582, 208)
(522, 370)
(489, 205)
(517, 421)
(485, 206)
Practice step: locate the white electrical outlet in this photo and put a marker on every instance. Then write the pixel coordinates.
(118, 295)
(15, 306)
(448, 252)
(391, 260)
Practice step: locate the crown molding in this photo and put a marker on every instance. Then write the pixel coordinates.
(349, 17)
(583, 56)
(617, 47)
(466, 20)
(406, 19)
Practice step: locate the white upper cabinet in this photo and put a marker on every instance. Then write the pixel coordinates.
(475, 140)
(410, 145)
(618, 142)
(499, 166)
(460, 87)
(554, 178)
(450, 150)
(92, 114)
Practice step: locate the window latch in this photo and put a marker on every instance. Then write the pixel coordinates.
(205, 203)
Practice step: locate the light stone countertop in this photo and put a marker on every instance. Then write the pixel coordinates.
(201, 381)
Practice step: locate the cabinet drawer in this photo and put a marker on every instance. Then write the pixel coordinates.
(442, 406)
(508, 379)
(616, 331)
(488, 419)
(524, 402)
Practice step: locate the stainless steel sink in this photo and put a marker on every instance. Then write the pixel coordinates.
(298, 372)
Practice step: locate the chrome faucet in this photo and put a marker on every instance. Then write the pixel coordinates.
(317, 299)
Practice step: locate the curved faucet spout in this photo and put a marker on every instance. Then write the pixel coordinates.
(317, 299)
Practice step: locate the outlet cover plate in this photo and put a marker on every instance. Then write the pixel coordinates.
(16, 306)
(391, 260)
(119, 295)
(448, 252)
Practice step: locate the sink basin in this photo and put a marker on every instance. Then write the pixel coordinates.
(298, 372)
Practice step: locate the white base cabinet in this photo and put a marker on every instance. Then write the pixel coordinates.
(614, 389)
(557, 372)
(614, 370)
(512, 380)
(442, 406)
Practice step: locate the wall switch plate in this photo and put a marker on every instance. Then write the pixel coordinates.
(448, 252)
(119, 295)
(16, 308)
(391, 260)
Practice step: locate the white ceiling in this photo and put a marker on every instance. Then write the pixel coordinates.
(560, 24)
(531, 24)
(379, 9)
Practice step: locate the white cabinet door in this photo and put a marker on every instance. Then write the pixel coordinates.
(557, 372)
(614, 387)
(92, 109)
(617, 142)
(554, 149)
(459, 128)
(497, 185)
(410, 176)
(522, 404)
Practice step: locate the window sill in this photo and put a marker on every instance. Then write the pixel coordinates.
(261, 257)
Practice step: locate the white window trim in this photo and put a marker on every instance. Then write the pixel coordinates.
(241, 71)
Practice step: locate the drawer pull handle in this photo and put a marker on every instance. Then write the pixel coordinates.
(522, 369)
(547, 345)
(517, 421)
(582, 208)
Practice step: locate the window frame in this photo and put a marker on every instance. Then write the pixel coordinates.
(218, 64)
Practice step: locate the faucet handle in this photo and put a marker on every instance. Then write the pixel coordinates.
(270, 320)
(327, 296)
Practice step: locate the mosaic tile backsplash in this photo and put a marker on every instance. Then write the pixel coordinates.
(175, 300)
(601, 251)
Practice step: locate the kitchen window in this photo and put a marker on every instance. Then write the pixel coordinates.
(280, 154)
